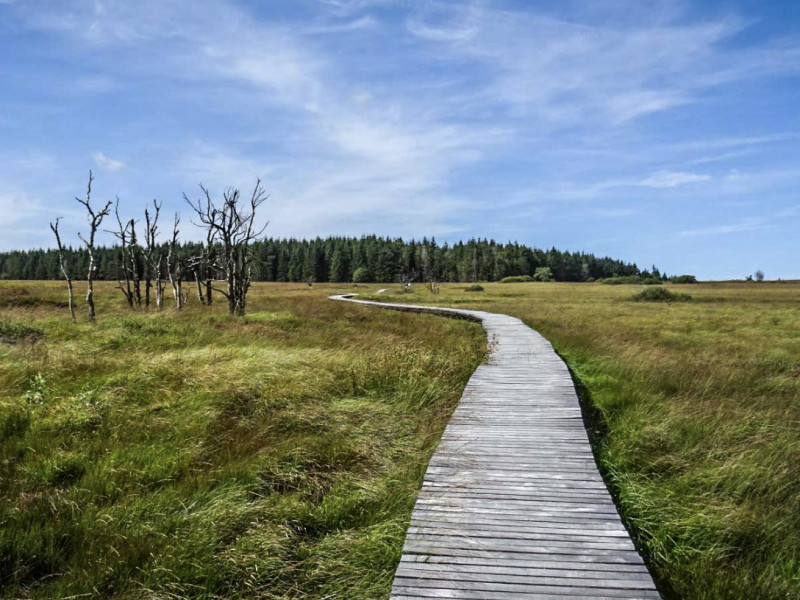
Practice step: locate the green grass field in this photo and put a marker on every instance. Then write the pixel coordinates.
(200, 456)
(698, 418)
(203, 456)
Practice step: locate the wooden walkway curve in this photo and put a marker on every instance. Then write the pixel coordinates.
(512, 506)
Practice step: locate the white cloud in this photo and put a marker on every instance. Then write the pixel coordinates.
(107, 164)
(746, 224)
(671, 179)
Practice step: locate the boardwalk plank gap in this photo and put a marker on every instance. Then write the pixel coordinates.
(512, 505)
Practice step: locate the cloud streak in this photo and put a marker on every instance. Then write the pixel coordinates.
(107, 164)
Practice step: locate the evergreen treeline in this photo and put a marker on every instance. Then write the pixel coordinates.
(365, 259)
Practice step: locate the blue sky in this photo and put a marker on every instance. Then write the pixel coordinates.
(659, 132)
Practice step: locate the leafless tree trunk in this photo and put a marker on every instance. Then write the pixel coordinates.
(175, 265)
(199, 287)
(133, 264)
(124, 240)
(63, 266)
(232, 227)
(153, 260)
(95, 219)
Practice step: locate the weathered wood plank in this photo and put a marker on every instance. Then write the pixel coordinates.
(512, 505)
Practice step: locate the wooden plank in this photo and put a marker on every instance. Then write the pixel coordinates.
(512, 505)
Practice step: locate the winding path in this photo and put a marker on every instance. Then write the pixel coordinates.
(512, 506)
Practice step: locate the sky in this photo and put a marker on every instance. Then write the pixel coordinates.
(657, 132)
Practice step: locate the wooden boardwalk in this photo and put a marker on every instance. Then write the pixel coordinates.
(513, 506)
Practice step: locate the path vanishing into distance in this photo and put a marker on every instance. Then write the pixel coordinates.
(513, 506)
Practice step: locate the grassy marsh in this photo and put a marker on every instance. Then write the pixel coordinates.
(197, 455)
(277, 457)
(700, 419)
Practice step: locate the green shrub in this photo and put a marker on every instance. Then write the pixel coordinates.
(517, 279)
(684, 279)
(652, 281)
(475, 287)
(590, 280)
(361, 275)
(628, 280)
(543, 274)
(660, 294)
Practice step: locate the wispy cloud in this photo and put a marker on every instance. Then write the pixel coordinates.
(107, 164)
(746, 224)
(568, 71)
(671, 179)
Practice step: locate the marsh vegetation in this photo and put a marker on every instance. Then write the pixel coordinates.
(698, 419)
(196, 454)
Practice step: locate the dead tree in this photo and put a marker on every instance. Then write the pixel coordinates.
(133, 264)
(124, 236)
(152, 258)
(203, 263)
(95, 219)
(175, 265)
(435, 286)
(64, 270)
(406, 278)
(232, 226)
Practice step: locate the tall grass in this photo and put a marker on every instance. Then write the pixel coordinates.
(700, 432)
(197, 455)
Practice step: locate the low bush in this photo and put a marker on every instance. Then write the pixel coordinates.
(660, 295)
(652, 281)
(361, 275)
(475, 287)
(517, 279)
(684, 279)
(628, 280)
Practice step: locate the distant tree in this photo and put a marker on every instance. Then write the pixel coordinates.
(331, 259)
(235, 229)
(153, 261)
(406, 277)
(684, 279)
(126, 234)
(759, 275)
(175, 265)
(62, 264)
(543, 274)
(361, 275)
(340, 264)
(95, 219)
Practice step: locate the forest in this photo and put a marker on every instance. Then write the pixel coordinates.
(349, 259)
